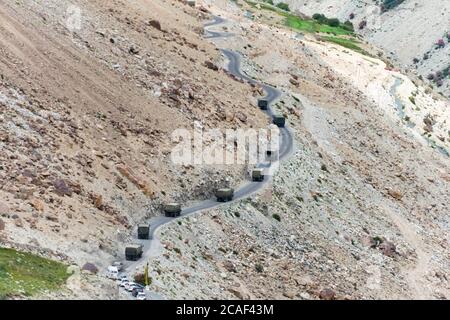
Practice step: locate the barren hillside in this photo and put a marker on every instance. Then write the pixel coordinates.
(91, 92)
(359, 212)
(408, 32)
(87, 116)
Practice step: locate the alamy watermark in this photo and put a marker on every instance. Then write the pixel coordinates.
(227, 147)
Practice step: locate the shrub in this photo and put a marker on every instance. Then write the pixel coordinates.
(333, 22)
(362, 24)
(440, 43)
(139, 278)
(276, 217)
(351, 16)
(283, 6)
(348, 25)
(259, 268)
(269, 1)
(446, 71)
(319, 17)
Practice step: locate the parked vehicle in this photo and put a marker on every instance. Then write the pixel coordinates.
(129, 286)
(141, 296)
(172, 209)
(136, 291)
(118, 265)
(123, 282)
(122, 277)
(133, 252)
(112, 273)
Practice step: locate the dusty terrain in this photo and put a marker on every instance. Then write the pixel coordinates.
(87, 117)
(359, 211)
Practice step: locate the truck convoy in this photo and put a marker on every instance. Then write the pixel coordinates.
(263, 104)
(224, 194)
(143, 231)
(133, 252)
(172, 210)
(258, 174)
(279, 120)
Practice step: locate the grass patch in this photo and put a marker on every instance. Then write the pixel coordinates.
(340, 34)
(295, 22)
(346, 43)
(313, 26)
(27, 274)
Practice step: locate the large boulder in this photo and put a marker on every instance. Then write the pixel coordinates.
(62, 188)
(90, 267)
(155, 24)
(327, 294)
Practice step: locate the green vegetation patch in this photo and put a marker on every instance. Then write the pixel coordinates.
(347, 43)
(27, 274)
(312, 26)
(337, 32)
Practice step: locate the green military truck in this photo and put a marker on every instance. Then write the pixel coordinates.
(172, 210)
(224, 194)
(263, 104)
(133, 252)
(279, 120)
(258, 174)
(143, 231)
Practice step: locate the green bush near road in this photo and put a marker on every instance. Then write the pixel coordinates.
(283, 6)
(27, 274)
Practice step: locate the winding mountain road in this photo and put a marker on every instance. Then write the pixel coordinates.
(152, 246)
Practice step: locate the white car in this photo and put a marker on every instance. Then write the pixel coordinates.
(129, 286)
(123, 282)
(113, 273)
(118, 265)
(141, 296)
(122, 278)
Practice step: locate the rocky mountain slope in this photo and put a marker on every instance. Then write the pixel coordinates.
(91, 91)
(87, 112)
(359, 212)
(409, 32)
